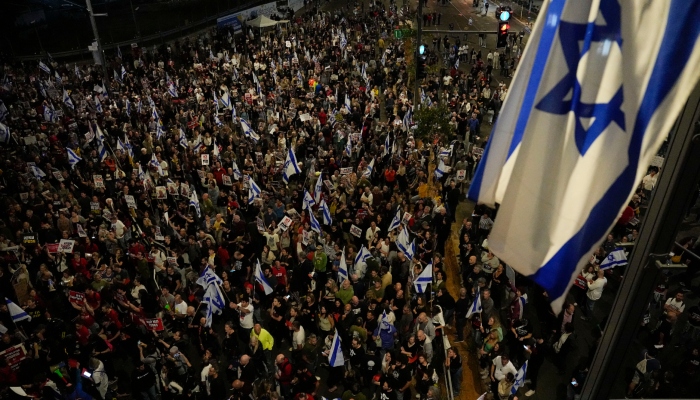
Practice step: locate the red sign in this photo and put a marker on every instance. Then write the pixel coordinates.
(152, 324)
(77, 298)
(52, 248)
(14, 356)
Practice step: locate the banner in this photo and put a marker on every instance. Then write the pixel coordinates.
(152, 324)
(77, 298)
(14, 356)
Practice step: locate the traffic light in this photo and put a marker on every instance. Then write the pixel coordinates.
(421, 70)
(503, 27)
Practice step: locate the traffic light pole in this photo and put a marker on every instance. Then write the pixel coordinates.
(419, 41)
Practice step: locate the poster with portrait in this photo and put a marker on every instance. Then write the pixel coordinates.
(461, 175)
(161, 192)
(130, 202)
(99, 182)
(356, 231)
(172, 188)
(184, 190)
(226, 180)
(205, 159)
(66, 246)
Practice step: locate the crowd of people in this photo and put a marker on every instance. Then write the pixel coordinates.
(260, 160)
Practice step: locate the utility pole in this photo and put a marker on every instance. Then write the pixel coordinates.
(97, 38)
(419, 41)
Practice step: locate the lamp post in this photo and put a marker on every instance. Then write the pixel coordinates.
(97, 38)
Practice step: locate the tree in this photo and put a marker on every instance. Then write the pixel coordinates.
(433, 123)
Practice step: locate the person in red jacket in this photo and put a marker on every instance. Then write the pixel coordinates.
(79, 265)
(284, 374)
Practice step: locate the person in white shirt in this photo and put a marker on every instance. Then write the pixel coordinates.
(595, 291)
(649, 182)
(367, 197)
(298, 336)
(372, 231)
(499, 370)
(675, 304)
(180, 306)
(245, 310)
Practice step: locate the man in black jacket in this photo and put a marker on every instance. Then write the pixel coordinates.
(144, 381)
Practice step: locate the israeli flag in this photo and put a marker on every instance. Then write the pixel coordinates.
(59, 80)
(38, 173)
(253, 190)
(119, 52)
(424, 279)
(142, 177)
(318, 188)
(156, 163)
(615, 258)
(300, 77)
(335, 356)
(183, 139)
(236, 172)
(387, 144)
(405, 246)
(343, 268)
(76, 70)
(396, 221)
(594, 83)
(407, 118)
(44, 68)
(315, 226)
(67, 100)
(49, 114)
(123, 73)
(225, 100)
(235, 73)
(117, 77)
(326, 212)
(348, 146)
(121, 146)
(101, 149)
(248, 131)
(348, 103)
(172, 90)
(4, 133)
(368, 172)
(212, 294)
(343, 41)
(159, 129)
(476, 305)
(233, 112)
(308, 201)
(261, 279)
(73, 158)
(384, 59)
(17, 313)
(362, 255)
(331, 117)
(457, 63)
(194, 202)
(129, 147)
(217, 121)
(519, 378)
(291, 166)
(440, 170)
(98, 105)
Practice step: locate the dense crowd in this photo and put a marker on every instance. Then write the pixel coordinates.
(259, 160)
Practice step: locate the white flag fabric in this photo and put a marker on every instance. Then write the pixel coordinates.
(261, 279)
(615, 258)
(315, 226)
(326, 212)
(362, 255)
(519, 378)
(67, 100)
(38, 173)
(335, 356)
(308, 201)
(369, 170)
(318, 188)
(343, 268)
(424, 279)
(291, 166)
(598, 88)
(212, 294)
(236, 172)
(253, 190)
(194, 202)
(476, 306)
(396, 222)
(16, 312)
(73, 158)
(248, 131)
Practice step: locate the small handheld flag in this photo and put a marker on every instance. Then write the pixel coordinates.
(261, 279)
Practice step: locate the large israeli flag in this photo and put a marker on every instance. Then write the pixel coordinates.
(73, 158)
(291, 166)
(396, 222)
(343, 268)
(315, 226)
(253, 191)
(598, 88)
(261, 279)
(476, 305)
(308, 201)
(615, 258)
(335, 356)
(17, 313)
(424, 279)
(326, 212)
(519, 379)
(212, 294)
(362, 255)
(67, 100)
(194, 202)
(318, 188)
